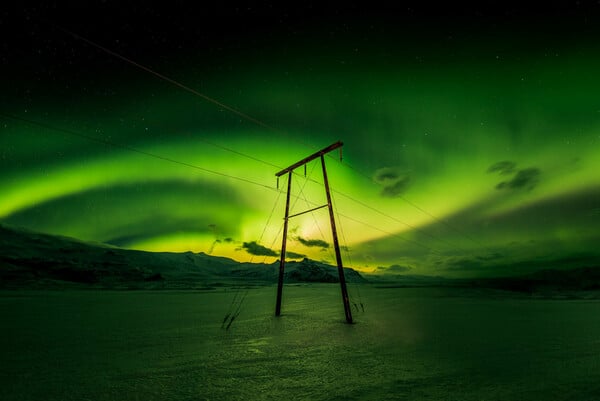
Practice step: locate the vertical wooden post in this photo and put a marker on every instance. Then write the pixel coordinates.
(283, 246)
(336, 245)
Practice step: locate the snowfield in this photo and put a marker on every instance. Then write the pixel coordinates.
(408, 344)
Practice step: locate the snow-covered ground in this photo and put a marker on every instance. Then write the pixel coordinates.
(409, 344)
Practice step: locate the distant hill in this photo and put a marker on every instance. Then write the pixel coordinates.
(407, 280)
(542, 281)
(579, 279)
(34, 260)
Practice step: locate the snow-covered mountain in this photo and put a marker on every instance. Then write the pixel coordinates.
(30, 259)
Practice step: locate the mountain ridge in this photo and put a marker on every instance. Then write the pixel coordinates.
(32, 259)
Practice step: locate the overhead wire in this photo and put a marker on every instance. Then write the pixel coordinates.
(300, 192)
(231, 315)
(238, 310)
(347, 249)
(312, 213)
(170, 160)
(273, 242)
(268, 221)
(388, 216)
(396, 235)
(262, 124)
(403, 198)
(412, 227)
(296, 198)
(243, 115)
(230, 309)
(174, 82)
(230, 150)
(132, 149)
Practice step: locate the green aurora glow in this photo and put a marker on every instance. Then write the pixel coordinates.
(426, 126)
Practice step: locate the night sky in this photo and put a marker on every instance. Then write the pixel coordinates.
(471, 136)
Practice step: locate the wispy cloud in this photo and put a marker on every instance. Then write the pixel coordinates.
(255, 248)
(503, 167)
(393, 181)
(312, 242)
(524, 179)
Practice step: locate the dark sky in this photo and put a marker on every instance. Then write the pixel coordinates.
(472, 133)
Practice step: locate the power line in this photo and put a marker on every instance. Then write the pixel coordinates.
(267, 223)
(391, 217)
(167, 159)
(274, 240)
(437, 219)
(238, 153)
(262, 124)
(195, 92)
(391, 234)
(356, 200)
(313, 214)
(176, 83)
(356, 285)
(296, 198)
(381, 230)
(165, 78)
(132, 149)
(398, 220)
(159, 157)
(170, 160)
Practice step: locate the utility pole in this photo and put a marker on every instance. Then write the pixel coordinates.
(338, 256)
(282, 262)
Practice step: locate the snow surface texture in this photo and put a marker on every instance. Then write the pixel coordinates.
(409, 344)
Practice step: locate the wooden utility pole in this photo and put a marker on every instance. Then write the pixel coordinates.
(285, 229)
(338, 256)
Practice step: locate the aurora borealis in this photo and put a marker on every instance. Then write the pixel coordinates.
(471, 142)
